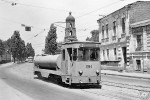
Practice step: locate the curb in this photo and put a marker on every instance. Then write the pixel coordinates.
(126, 75)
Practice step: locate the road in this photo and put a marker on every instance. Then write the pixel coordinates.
(21, 78)
(128, 82)
(37, 89)
(138, 88)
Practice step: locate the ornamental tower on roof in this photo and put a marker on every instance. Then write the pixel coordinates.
(70, 30)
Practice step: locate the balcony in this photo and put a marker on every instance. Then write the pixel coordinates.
(123, 35)
(103, 40)
(107, 39)
(114, 38)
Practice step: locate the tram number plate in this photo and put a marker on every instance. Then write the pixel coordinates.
(88, 66)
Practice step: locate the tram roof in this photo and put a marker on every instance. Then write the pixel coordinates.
(81, 42)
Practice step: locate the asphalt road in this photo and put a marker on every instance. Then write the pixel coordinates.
(126, 80)
(39, 91)
(23, 80)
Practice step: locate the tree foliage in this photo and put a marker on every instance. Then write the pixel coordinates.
(94, 36)
(17, 46)
(50, 41)
(1, 48)
(7, 45)
(21, 51)
(29, 50)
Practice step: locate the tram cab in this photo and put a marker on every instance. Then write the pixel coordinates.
(81, 62)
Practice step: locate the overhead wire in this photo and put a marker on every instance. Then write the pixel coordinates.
(61, 10)
(95, 11)
(98, 9)
(16, 3)
(85, 29)
(37, 34)
(19, 23)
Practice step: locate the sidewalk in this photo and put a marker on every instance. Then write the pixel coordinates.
(6, 64)
(126, 74)
(9, 93)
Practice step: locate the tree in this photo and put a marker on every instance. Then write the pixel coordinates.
(17, 46)
(94, 37)
(50, 41)
(8, 45)
(29, 50)
(58, 50)
(21, 50)
(1, 48)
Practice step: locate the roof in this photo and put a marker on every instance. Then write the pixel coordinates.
(70, 17)
(83, 42)
(127, 7)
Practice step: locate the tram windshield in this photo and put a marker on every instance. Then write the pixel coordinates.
(88, 54)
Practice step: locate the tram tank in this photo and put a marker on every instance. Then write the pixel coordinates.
(51, 62)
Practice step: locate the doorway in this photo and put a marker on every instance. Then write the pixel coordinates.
(138, 62)
(124, 51)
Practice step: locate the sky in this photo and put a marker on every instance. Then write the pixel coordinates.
(40, 14)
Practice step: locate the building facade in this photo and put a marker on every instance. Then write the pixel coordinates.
(116, 35)
(140, 46)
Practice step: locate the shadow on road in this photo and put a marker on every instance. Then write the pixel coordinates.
(73, 86)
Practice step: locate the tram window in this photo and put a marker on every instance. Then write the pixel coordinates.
(83, 54)
(63, 54)
(70, 53)
(94, 54)
(80, 54)
(88, 54)
(74, 54)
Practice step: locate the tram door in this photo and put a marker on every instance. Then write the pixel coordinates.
(69, 60)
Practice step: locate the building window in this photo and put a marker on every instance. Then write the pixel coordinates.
(103, 53)
(114, 28)
(107, 30)
(123, 25)
(108, 53)
(103, 32)
(148, 29)
(139, 42)
(115, 51)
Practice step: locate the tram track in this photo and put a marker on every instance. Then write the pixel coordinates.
(121, 91)
(113, 94)
(124, 85)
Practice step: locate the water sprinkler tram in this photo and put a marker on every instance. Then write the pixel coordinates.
(78, 63)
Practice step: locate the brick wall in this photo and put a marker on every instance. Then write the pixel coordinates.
(139, 11)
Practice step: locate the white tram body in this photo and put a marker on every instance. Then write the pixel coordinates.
(78, 63)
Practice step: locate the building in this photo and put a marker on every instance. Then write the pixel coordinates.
(116, 35)
(70, 30)
(6, 57)
(140, 46)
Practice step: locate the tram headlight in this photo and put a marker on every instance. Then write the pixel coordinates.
(80, 72)
(97, 72)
